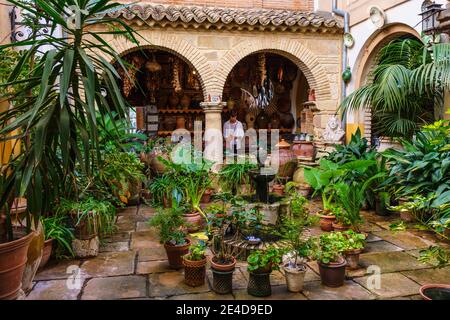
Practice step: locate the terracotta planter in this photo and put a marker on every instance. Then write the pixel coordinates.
(332, 274)
(157, 166)
(83, 228)
(294, 278)
(435, 292)
(194, 272)
(13, 257)
(339, 227)
(278, 189)
(326, 222)
(304, 190)
(206, 197)
(48, 246)
(222, 267)
(175, 254)
(304, 149)
(194, 221)
(285, 159)
(352, 258)
(34, 256)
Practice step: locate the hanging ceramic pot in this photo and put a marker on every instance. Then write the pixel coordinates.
(262, 120)
(347, 75)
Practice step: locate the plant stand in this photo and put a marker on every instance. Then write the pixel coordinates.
(86, 248)
(194, 272)
(222, 281)
(259, 284)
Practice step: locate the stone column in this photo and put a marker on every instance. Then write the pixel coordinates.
(213, 132)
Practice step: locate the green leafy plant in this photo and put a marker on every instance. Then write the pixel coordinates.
(358, 148)
(298, 203)
(435, 255)
(406, 80)
(100, 216)
(234, 175)
(162, 188)
(397, 226)
(196, 252)
(170, 224)
(265, 261)
(329, 247)
(55, 227)
(354, 240)
(55, 111)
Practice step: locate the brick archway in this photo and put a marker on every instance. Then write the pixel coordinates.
(179, 47)
(306, 61)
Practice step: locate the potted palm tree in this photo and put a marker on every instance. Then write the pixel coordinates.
(195, 265)
(170, 224)
(53, 113)
(260, 266)
(329, 254)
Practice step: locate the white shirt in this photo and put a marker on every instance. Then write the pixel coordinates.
(233, 129)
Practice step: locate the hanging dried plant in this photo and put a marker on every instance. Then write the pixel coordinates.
(176, 76)
(136, 62)
(262, 67)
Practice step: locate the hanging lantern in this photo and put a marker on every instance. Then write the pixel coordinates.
(347, 75)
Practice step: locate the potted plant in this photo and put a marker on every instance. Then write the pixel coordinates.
(328, 252)
(195, 265)
(342, 222)
(260, 265)
(91, 219)
(223, 261)
(298, 250)
(235, 177)
(278, 186)
(355, 245)
(56, 232)
(170, 224)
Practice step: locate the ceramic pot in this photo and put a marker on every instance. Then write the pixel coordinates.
(206, 197)
(194, 272)
(194, 221)
(326, 222)
(352, 258)
(304, 189)
(295, 278)
(48, 246)
(287, 120)
(339, 227)
(185, 102)
(262, 120)
(435, 292)
(175, 254)
(13, 257)
(332, 274)
(278, 189)
(304, 149)
(222, 267)
(34, 256)
(285, 159)
(173, 101)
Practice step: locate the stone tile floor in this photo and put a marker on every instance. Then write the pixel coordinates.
(133, 265)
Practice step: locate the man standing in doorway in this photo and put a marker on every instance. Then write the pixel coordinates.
(233, 132)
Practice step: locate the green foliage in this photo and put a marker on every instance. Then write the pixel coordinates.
(55, 227)
(265, 261)
(298, 203)
(55, 112)
(397, 226)
(169, 223)
(123, 172)
(196, 252)
(99, 215)
(162, 187)
(404, 86)
(357, 149)
(435, 255)
(330, 246)
(354, 240)
(234, 175)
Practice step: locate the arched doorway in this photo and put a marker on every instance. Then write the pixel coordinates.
(365, 63)
(164, 88)
(268, 91)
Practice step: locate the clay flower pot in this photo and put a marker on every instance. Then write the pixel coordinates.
(194, 272)
(206, 197)
(332, 274)
(278, 189)
(435, 292)
(295, 277)
(339, 227)
(352, 258)
(175, 254)
(48, 246)
(222, 276)
(326, 222)
(194, 221)
(13, 257)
